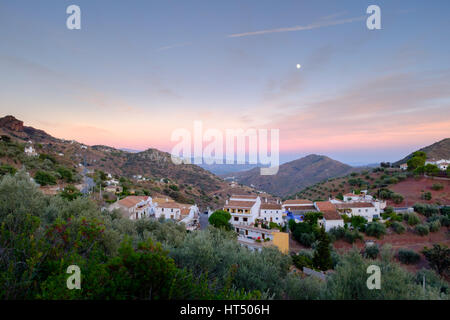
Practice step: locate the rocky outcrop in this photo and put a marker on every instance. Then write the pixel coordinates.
(11, 123)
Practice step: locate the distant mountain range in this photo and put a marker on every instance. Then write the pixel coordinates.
(293, 176)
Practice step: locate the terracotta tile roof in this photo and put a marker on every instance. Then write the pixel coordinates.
(297, 202)
(131, 201)
(169, 205)
(329, 210)
(354, 205)
(331, 216)
(239, 204)
(271, 206)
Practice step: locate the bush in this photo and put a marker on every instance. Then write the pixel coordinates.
(398, 227)
(445, 220)
(437, 186)
(438, 257)
(422, 229)
(434, 226)
(301, 261)
(407, 256)
(413, 219)
(44, 178)
(426, 209)
(352, 236)
(426, 196)
(375, 229)
(358, 222)
(371, 252)
(397, 198)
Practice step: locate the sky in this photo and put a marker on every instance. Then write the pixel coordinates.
(138, 70)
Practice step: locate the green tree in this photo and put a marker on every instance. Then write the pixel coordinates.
(322, 256)
(418, 160)
(70, 193)
(220, 219)
(44, 178)
(438, 257)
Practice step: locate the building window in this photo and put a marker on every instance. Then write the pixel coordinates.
(236, 219)
(245, 219)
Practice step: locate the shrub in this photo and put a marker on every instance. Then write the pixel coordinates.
(358, 222)
(413, 219)
(434, 226)
(426, 196)
(426, 209)
(422, 229)
(438, 257)
(44, 178)
(352, 236)
(301, 261)
(445, 220)
(407, 256)
(437, 186)
(375, 229)
(398, 227)
(371, 252)
(397, 198)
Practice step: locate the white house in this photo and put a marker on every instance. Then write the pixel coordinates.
(170, 209)
(363, 209)
(244, 209)
(134, 207)
(271, 212)
(442, 164)
(29, 150)
(331, 218)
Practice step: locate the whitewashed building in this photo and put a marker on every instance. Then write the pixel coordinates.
(244, 209)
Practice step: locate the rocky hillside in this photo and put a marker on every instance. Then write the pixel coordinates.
(187, 182)
(438, 150)
(295, 175)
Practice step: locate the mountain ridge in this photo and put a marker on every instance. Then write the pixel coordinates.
(294, 175)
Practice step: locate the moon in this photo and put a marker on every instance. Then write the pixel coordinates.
(298, 66)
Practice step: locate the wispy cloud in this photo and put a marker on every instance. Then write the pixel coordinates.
(311, 26)
(179, 45)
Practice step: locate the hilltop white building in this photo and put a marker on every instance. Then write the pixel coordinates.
(442, 164)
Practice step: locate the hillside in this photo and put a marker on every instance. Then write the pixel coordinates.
(294, 176)
(182, 182)
(438, 150)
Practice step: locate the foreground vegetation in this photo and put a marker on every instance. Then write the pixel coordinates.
(41, 236)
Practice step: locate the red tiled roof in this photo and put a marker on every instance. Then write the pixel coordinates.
(271, 206)
(297, 201)
(239, 204)
(354, 205)
(131, 201)
(329, 210)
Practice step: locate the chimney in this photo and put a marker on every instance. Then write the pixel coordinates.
(266, 199)
(167, 199)
(226, 201)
